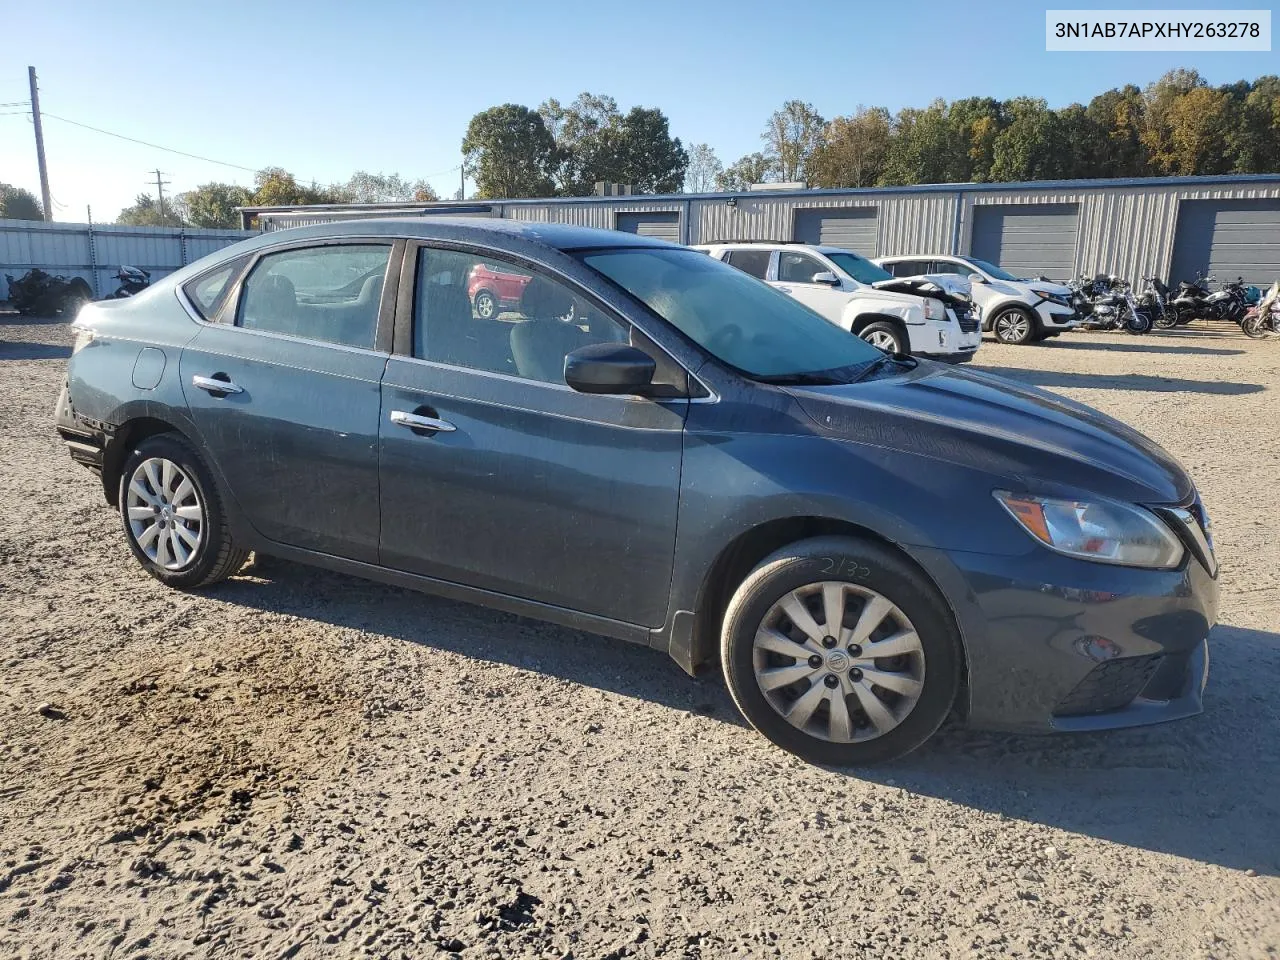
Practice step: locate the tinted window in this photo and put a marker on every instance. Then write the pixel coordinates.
(749, 325)
(754, 262)
(797, 267)
(949, 266)
(909, 268)
(488, 314)
(206, 292)
(329, 293)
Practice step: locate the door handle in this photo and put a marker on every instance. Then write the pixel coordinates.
(215, 385)
(416, 421)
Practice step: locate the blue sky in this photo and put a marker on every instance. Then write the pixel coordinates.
(324, 88)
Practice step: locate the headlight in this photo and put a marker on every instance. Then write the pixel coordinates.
(1102, 530)
(1051, 297)
(934, 309)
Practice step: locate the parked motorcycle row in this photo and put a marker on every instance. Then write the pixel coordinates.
(41, 293)
(1108, 302)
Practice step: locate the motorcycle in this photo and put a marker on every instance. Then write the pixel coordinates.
(38, 292)
(1106, 302)
(1263, 319)
(1195, 301)
(1155, 300)
(133, 280)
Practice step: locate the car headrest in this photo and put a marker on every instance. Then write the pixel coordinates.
(544, 300)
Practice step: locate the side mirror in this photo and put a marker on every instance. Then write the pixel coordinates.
(609, 368)
(827, 277)
(977, 278)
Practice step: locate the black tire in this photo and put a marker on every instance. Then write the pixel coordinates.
(1138, 323)
(885, 331)
(1015, 326)
(216, 557)
(866, 565)
(486, 305)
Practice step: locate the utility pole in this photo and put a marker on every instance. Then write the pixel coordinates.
(462, 191)
(44, 170)
(160, 185)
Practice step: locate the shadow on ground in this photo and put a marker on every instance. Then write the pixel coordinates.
(1121, 381)
(23, 350)
(1202, 788)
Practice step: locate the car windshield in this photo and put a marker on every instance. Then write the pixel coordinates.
(860, 268)
(990, 268)
(733, 316)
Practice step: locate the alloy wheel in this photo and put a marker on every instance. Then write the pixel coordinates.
(486, 308)
(839, 661)
(166, 517)
(883, 340)
(1012, 327)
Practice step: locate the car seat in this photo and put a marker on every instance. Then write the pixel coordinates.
(272, 304)
(540, 343)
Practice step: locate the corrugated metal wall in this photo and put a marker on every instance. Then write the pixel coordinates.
(96, 251)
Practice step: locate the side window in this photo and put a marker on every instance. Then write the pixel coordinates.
(206, 292)
(754, 262)
(797, 267)
(947, 266)
(329, 293)
(488, 314)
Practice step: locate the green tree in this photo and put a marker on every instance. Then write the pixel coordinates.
(925, 148)
(1032, 146)
(743, 172)
(1084, 143)
(1120, 115)
(145, 212)
(1254, 141)
(1199, 129)
(704, 169)
(791, 136)
(646, 155)
(512, 152)
(277, 187)
(363, 187)
(213, 204)
(975, 122)
(1159, 99)
(582, 134)
(17, 203)
(853, 150)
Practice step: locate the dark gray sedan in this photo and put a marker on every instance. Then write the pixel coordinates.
(637, 440)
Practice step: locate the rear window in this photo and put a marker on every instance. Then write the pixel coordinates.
(754, 262)
(207, 291)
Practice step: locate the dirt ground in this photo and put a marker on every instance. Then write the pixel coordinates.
(300, 764)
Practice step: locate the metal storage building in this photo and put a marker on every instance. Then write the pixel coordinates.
(1172, 227)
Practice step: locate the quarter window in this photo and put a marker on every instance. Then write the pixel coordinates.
(489, 314)
(206, 292)
(331, 293)
(797, 267)
(754, 262)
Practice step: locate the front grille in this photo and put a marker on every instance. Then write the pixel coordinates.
(967, 320)
(1109, 686)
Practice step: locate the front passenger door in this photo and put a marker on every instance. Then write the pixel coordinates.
(795, 277)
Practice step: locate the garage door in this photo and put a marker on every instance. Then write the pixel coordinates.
(1228, 239)
(853, 228)
(664, 226)
(1028, 240)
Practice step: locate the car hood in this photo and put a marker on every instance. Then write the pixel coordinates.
(1027, 437)
(939, 286)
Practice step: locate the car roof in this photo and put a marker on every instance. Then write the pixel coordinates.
(774, 245)
(922, 256)
(497, 232)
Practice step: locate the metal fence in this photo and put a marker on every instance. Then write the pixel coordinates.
(96, 251)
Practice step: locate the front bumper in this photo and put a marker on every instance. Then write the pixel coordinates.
(1054, 316)
(1058, 644)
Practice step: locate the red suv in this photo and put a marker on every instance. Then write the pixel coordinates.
(492, 291)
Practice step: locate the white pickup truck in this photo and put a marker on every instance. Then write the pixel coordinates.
(925, 316)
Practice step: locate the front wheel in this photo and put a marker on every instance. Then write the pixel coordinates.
(1013, 325)
(173, 517)
(840, 651)
(486, 305)
(1138, 322)
(885, 336)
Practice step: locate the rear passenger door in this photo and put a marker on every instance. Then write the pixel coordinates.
(282, 382)
(496, 474)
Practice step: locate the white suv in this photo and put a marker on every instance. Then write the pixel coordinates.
(926, 317)
(1015, 310)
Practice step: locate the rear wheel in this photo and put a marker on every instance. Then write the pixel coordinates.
(885, 336)
(841, 652)
(486, 305)
(1014, 325)
(173, 517)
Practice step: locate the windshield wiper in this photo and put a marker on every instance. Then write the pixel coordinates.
(907, 362)
(819, 378)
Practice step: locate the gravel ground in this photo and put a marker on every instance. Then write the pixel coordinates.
(300, 764)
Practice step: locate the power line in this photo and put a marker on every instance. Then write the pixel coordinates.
(154, 146)
(15, 103)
